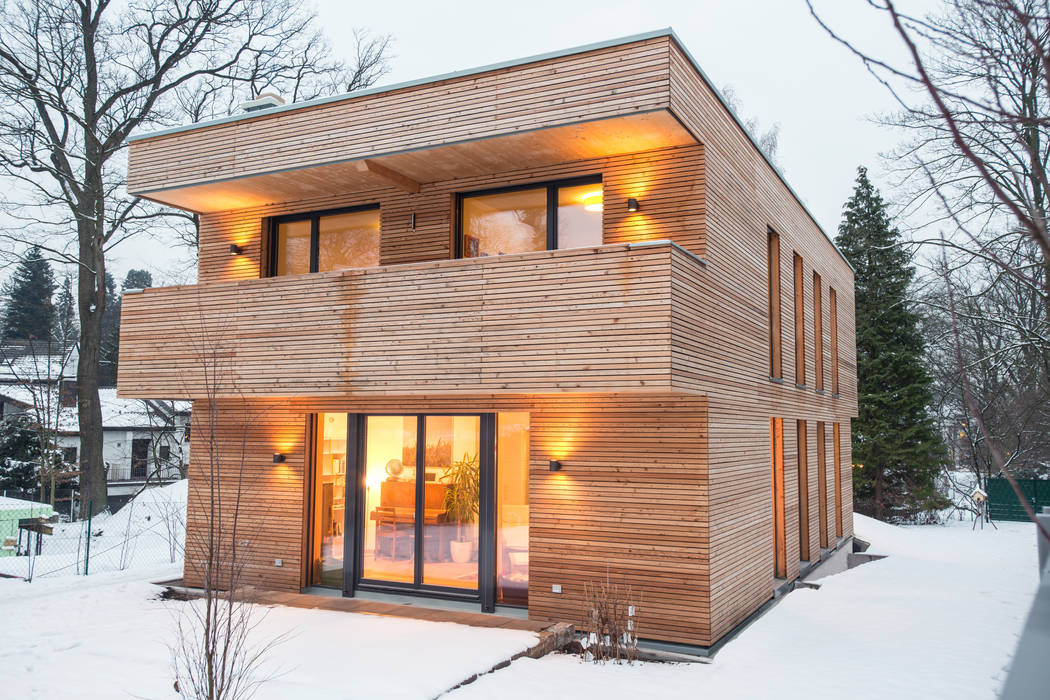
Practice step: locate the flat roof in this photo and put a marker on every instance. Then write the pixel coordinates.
(561, 53)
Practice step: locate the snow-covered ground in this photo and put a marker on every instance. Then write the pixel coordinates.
(938, 618)
(146, 532)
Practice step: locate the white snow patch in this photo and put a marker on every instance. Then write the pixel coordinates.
(938, 618)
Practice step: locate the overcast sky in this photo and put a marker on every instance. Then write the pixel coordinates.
(782, 66)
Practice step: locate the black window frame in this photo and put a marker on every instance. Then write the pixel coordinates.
(552, 187)
(314, 217)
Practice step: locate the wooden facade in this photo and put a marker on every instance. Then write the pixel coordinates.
(646, 363)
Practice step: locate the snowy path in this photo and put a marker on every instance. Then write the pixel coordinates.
(939, 618)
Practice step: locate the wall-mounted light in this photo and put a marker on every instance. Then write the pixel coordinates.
(236, 249)
(555, 465)
(632, 204)
(278, 458)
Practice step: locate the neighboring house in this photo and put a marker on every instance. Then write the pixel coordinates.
(498, 334)
(144, 441)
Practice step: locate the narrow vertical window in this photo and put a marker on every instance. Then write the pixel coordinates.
(838, 481)
(773, 277)
(822, 484)
(803, 493)
(833, 309)
(818, 333)
(800, 324)
(776, 429)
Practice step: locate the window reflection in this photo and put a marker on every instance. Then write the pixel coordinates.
(348, 240)
(505, 223)
(293, 248)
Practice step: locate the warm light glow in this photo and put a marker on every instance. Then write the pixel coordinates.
(592, 201)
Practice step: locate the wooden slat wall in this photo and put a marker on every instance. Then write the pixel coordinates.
(604, 83)
(631, 497)
(668, 182)
(744, 197)
(587, 319)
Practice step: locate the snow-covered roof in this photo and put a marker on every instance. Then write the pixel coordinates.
(21, 362)
(8, 503)
(117, 413)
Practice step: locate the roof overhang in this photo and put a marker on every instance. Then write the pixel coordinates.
(411, 169)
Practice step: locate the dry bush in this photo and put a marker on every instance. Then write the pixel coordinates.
(610, 613)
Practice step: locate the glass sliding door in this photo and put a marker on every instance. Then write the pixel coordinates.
(512, 508)
(329, 499)
(451, 501)
(389, 528)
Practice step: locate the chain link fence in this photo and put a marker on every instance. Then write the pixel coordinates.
(148, 530)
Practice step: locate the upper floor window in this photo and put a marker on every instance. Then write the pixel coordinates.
(531, 218)
(773, 286)
(324, 241)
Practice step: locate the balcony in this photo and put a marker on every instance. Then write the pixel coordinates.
(615, 318)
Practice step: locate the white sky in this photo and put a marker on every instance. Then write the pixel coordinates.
(782, 66)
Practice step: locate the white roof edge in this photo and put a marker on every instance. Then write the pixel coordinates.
(560, 53)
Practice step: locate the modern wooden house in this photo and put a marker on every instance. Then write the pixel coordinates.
(503, 331)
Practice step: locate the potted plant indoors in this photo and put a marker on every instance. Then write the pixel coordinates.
(461, 504)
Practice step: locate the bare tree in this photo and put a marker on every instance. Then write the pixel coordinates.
(77, 77)
(217, 654)
(974, 91)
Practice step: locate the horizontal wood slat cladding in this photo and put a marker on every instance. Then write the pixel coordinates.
(745, 198)
(586, 319)
(668, 182)
(631, 499)
(605, 83)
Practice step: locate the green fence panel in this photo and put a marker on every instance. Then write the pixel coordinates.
(1003, 503)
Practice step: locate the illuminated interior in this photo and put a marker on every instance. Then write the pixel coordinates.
(512, 508)
(329, 499)
(442, 499)
(516, 221)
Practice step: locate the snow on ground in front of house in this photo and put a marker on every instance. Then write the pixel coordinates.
(106, 636)
(938, 618)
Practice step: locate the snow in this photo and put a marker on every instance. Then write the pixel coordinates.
(939, 617)
(117, 413)
(147, 531)
(8, 503)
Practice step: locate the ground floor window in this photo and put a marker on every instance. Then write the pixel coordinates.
(437, 503)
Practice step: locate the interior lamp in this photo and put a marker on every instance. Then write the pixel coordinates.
(592, 201)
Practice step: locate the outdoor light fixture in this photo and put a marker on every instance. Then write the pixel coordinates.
(555, 465)
(278, 458)
(235, 249)
(632, 204)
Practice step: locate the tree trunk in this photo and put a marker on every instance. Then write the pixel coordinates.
(91, 301)
(878, 494)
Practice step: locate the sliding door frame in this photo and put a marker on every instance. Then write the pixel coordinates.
(353, 540)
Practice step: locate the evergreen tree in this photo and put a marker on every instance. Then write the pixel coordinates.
(135, 279)
(66, 330)
(28, 312)
(896, 447)
(19, 454)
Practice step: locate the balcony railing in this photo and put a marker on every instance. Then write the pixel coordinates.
(584, 320)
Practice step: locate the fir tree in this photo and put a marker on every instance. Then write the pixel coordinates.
(19, 454)
(135, 279)
(66, 330)
(897, 449)
(28, 312)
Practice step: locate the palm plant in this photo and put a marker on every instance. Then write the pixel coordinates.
(464, 491)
